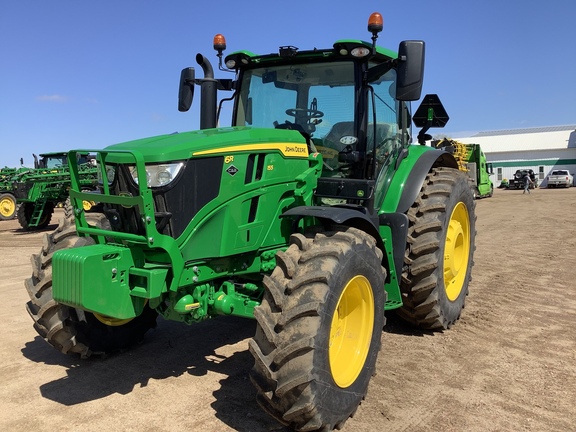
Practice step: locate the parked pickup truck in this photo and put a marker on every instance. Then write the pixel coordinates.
(560, 178)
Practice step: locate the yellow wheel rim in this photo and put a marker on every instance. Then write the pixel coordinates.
(351, 331)
(112, 322)
(456, 251)
(7, 207)
(87, 205)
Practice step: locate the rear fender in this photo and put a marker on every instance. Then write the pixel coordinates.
(390, 229)
(410, 175)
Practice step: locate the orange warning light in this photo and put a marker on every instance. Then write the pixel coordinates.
(375, 23)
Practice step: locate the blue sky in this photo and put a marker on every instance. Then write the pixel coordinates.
(87, 74)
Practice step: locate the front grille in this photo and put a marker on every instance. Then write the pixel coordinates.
(174, 205)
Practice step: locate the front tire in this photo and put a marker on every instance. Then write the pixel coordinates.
(70, 330)
(319, 329)
(440, 249)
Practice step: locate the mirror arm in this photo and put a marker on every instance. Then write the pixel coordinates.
(422, 135)
(377, 71)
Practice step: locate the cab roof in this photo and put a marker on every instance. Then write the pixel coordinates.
(342, 49)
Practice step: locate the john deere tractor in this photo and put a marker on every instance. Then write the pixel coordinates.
(313, 213)
(39, 190)
(7, 199)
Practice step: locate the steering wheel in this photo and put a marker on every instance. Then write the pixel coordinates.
(309, 113)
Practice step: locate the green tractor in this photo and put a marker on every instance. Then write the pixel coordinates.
(8, 202)
(38, 191)
(7, 199)
(312, 214)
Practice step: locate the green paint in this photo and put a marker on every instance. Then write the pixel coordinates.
(103, 279)
(39, 190)
(200, 245)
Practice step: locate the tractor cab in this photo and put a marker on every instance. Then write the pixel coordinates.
(351, 104)
(51, 160)
(60, 159)
(320, 99)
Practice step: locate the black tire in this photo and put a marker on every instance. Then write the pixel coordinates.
(69, 330)
(25, 212)
(68, 209)
(8, 206)
(440, 250)
(298, 362)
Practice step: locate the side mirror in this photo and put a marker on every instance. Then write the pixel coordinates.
(410, 70)
(186, 89)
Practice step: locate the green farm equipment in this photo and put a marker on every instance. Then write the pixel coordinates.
(8, 204)
(472, 160)
(313, 214)
(39, 190)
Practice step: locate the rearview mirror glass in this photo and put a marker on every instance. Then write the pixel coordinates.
(410, 70)
(186, 89)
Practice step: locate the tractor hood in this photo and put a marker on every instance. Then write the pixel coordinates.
(206, 142)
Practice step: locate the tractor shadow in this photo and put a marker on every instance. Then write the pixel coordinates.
(171, 350)
(22, 232)
(396, 325)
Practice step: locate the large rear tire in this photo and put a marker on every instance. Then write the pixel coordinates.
(7, 206)
(319, 328)
(25, 212)
(440, 250)
(70, 330)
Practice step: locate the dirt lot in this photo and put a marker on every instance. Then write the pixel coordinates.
(508, 365)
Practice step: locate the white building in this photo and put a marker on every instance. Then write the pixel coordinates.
(541, 149)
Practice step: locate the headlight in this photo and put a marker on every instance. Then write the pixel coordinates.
(158, 175)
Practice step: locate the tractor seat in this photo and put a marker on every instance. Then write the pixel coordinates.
(342, 129)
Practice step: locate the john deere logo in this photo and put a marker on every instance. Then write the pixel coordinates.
(232, 170)
(360, 193)
(294, 149)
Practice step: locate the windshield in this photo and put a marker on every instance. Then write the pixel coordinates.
(54, 161)
(315, 97)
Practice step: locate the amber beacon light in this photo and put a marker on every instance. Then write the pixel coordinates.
(219, 43)
(375, 23)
